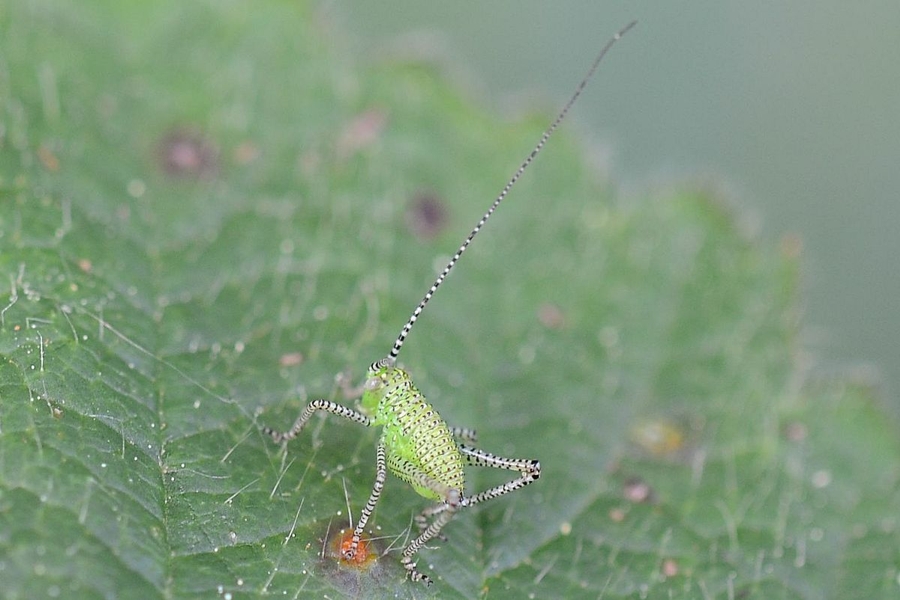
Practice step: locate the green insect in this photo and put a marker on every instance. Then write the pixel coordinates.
(416, 444)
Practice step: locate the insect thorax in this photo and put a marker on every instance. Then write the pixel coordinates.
(417, 440)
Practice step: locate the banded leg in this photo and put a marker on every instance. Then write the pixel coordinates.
(445, 513)
(465, 434)
(369, 508)
(530, 472)
(320, 404)
(421, 519)
(450, 497)
(411, 474)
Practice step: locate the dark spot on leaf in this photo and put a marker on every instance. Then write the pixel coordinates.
(186, 153)
(426, 216)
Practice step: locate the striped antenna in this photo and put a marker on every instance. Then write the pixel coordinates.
(391, 358)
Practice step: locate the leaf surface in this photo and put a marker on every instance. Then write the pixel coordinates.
(207, 212)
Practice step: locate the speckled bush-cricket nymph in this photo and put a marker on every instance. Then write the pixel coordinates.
(416, 444)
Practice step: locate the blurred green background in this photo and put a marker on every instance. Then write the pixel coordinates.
(792, 107)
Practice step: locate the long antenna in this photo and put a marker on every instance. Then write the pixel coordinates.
(392, 357)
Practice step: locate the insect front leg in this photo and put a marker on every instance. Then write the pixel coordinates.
(320, 404)
(369, 508)
(530, 471)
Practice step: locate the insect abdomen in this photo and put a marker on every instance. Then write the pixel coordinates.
(418, 441)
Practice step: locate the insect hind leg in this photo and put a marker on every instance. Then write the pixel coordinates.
(451, 500)
(530, 472)
(464, 434)
(444, 513)
(413, 475)
(422, 518)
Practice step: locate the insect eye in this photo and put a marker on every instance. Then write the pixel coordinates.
(373, 383)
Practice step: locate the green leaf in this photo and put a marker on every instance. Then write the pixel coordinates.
(207, 211)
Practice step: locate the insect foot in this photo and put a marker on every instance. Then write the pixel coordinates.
(415, 443)
(413, 573)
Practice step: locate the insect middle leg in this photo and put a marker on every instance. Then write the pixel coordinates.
(347, 413)
(369, 508)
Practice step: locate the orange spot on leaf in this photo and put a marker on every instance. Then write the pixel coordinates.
(48, 159)
(340, 543)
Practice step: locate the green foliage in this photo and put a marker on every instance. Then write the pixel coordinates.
(206, 213)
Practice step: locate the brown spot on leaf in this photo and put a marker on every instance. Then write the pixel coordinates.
(669, 567)
(551, 316)
(637, 490)
(186, 153)
(245, 153)
(426, 215)
(48, 158)
(791, 245)
(290, 359)
(362, 131)
(617, 515)
(795, 432)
